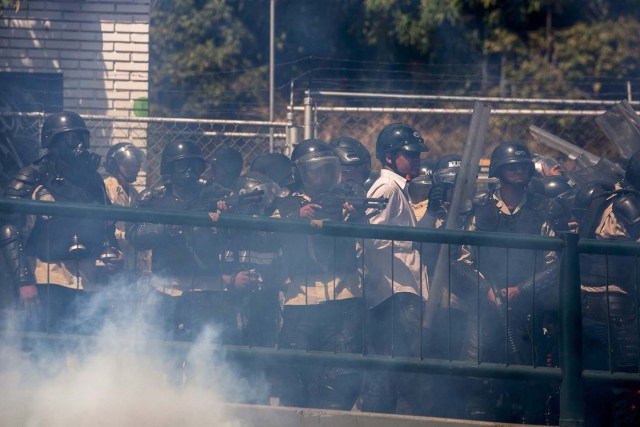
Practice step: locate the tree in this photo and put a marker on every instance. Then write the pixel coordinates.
(203, 57)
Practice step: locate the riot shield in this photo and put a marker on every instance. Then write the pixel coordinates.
(621, 125)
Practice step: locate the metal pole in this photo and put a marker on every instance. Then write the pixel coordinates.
(571, 392)
(292, 129)
(272, 14)
(308, 115)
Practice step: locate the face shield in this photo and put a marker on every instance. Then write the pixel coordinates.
(260, 204)
(547, 166)
(319, 172)
(129, 164)
(446, 176)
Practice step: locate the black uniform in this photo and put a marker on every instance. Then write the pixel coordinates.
(62, 256)
(323, 304)
(186, 260)
(505, 331)
(609, 295)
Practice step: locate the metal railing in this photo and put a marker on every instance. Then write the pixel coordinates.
(570, 373)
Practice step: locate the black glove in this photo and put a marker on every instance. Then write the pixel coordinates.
(437, 196)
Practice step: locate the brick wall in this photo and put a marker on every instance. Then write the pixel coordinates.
(100, 46)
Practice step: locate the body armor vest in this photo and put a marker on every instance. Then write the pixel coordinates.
(66, 238)
(597, 269)
(504, 266)
(193, 251)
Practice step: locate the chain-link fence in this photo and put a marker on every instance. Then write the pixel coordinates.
(444, 120)
(19, 138)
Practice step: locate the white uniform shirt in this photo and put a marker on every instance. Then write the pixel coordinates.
(405, 274)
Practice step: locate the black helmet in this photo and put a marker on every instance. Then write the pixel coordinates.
(632, 174)
(398, 136)
(255, 181)
(127, 155)
(426, 167)
(554, 186)
(509, 153)
(309, 146)
(352, 153)
(446, 169)
(276, 166)
(58, 123)
(227, 165)
(316, 165)
(178, 150)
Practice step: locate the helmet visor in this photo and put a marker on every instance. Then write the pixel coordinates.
(73, 138)
(319, 173)
(445, 176)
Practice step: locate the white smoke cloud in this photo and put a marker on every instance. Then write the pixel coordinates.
(123, 378)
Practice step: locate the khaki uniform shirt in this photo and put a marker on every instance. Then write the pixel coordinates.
(609, 228)
(322, 287)
(118, 196)
(466, 253)
(85, 274)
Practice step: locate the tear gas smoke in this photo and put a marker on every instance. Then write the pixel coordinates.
(122, 378)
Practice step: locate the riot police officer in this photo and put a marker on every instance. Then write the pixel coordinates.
(609, 296)
(226, 166)
(185, 260)
(253, 265)
(55, 261)
(276, 166)
(123, 162)
(354, 158)
(396, 283)
(506, 278)
(322, 302)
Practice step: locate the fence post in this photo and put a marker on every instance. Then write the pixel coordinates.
(571, 392)
(292, 133)
(308, 116)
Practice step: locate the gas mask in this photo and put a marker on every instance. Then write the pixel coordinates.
(187, 171)
(73, 148)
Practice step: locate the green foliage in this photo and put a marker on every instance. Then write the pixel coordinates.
(197, 48)
(209, 57)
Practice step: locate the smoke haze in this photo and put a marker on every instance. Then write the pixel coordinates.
(123, 378)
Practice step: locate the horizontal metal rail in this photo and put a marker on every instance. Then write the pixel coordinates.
(340, 229)
(470, 99)
(267, 355)
(160, 119)
(461, 111)
(319, 358)
(608, 247)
